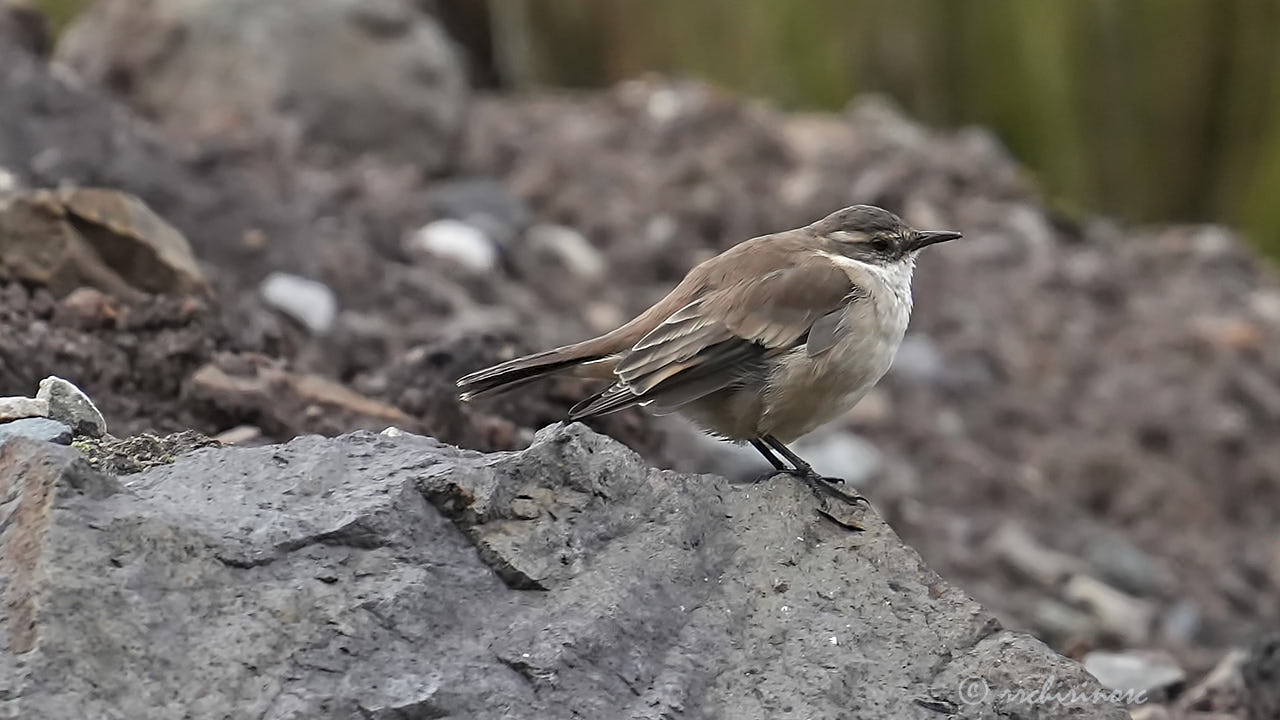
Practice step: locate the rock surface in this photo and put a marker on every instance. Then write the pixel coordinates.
(39, 428)
(1261, 673)
(54, 133)
(15, 408)
(1017, 400)
(68, 404)
(99, 237)
(390, 576)
(263, 389)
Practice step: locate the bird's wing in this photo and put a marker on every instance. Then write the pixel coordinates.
(829, 329)
(725, 334)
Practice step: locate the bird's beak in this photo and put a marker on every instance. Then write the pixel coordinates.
(925, 238)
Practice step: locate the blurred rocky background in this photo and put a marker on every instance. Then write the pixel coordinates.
(1148, 110)
(263, 219)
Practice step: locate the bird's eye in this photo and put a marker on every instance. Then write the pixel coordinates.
(880, 244)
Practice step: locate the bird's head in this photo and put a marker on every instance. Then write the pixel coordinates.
(874, 235)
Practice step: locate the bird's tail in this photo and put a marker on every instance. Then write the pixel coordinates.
(586, 359)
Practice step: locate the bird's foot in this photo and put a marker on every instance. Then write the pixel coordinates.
(825, 485)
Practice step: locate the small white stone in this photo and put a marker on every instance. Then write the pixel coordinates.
(309, 302)
(456, 240)
(1015, 547)
(15, 408)
(239, 435)
(1136, 671)
(69, 404)
(570, 246)
(1118, 612)
(8, 181)
(665, 105)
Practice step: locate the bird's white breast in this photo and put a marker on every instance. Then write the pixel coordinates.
(806, 392)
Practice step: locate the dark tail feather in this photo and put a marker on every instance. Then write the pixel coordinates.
(609, 400)
(514, 373)
(721, 365)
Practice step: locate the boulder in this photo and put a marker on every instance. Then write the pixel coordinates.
(57, 133)
(69, 405)
(40, 428)
(15, 408)
(254, 386)
(1261, 673)
(100, 237)
(356, 75)
(391, 576)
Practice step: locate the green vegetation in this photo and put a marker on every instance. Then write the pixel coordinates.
(1149, 109)
(60, 12)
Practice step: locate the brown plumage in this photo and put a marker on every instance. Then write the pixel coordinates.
(761, 343)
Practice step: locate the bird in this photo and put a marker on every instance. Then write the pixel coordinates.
(760, 344)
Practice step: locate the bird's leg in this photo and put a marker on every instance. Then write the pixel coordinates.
(802, 468)
(768, 455)
(805, 472)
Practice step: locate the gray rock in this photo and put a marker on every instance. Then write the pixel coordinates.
(358, 75)
(56, 133)
(1261, 674)
(69, 404)
(480, 201)
(1118, 561)
(309, 302)
(38, 428)
(14, 408)
(102, 238)
(1148, 673)
(393, 576)
(1180, 623)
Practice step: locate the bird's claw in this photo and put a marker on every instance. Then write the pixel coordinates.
(826, 485)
